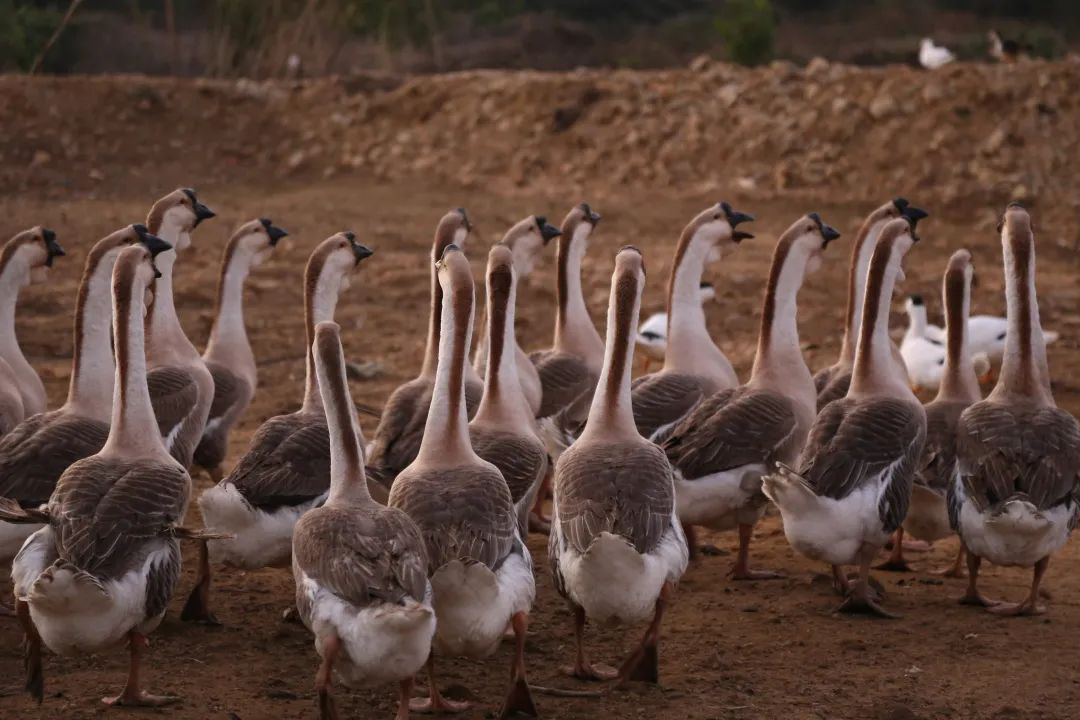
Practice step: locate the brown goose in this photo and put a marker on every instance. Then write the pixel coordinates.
(616, 547)
(401, 427)
(694, 367)
(360, 567)
(503, 432)
(1016, 496)
(25, 258)
(37, 452)
(228, 354)
(181, 386)
(832, 382)
(852, 484)
(723, 448)
(928, 517)
(526, 239)
(480, 570)
(286, 469)
(105, 565)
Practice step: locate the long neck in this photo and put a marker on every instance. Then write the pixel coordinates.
(779, 357)
(1024, 369)
(319, 306)
(134, 426)
(228, 338)
(574, 329)
(13, 278)
(861, 253)
(431, 349)
(503, 402)
(611, 414)
(90, 392)
(917, 320)
(874, 371)
(958, 381)
(446, 433)
(689, 347)
(347, 480)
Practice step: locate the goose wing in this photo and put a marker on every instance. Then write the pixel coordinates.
(563, 377)
(837, 387)
(362, 555)
(287, 462)
(464, 513)
(36, 453)
(520, 458)
(173, 394)
(937, 466)
(730, 429)
(663, 398)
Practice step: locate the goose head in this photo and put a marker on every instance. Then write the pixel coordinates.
(715, 230)
(527, 239)
(900, 234)
(177, 215)
(253, 242)
(453, 229)
(33, 249)
(811, 236)
(340, 256)
(578, 224)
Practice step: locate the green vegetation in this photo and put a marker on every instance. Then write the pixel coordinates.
(24, 28)
(747, 28)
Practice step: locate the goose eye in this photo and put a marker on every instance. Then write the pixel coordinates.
(716, 216)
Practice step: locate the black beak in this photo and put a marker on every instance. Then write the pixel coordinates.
(52, 248)
(740, 235)
(547, 232)
(153, 243)
(914, 215)
(917, 300)
(828, 232)
(273, 231)
(359, 251)
(202, 213)
(157, 273)
(591, 216)
(734, 217)
(465, 219)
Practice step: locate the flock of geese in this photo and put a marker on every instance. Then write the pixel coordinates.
(412, 546)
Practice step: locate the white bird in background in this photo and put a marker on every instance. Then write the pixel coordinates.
(652, 334)
(933, 56)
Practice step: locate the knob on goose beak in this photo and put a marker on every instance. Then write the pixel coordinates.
(828, 232)
(734, 217)
(273, 231)
(359, 251)
(52, 248)
(465, 219)
(914, 215)
(591, 216)
(151, 242)
(547, 232)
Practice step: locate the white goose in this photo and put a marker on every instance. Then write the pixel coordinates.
(723, 448)
(616, 548)
(924, 352)
(480, 569)
(105, 566)
(360, 567)
(852, 485)
(1016, 496)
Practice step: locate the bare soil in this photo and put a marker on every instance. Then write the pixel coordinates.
(730, 649)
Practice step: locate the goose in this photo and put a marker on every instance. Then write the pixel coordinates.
(616, 547)
(923, 349)
(927, 517)
(986, 333)
(652, 334)
(832, 382)
(503, 432)
(1016, 495)
(181, 386)
(852, 485)
(25, 258)
(723, 448)
(694, 367)
(360, 567)
(105, 565)
(36, 453)
(401, 427)
(480, 569)
(933, 56)
(285, 470)
(228, 354)
(526, 239)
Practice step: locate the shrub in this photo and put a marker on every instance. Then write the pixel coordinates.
(746, 27)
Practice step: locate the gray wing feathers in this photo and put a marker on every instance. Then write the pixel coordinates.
(663, 398)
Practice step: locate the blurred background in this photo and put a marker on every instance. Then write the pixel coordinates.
(290, 38)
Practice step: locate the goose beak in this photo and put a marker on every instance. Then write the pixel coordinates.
(275, 234)
(52, 248)
(734, 217)
(829, 233)
(465, 219)
(202, 213)
(914, 215)
(153, 243)
(740, 235)
(547, 232)
(591, 216)
(359, 251)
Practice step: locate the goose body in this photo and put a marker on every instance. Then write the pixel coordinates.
(27, 257)
(105, 565)
(694, 367)
(721, 451)
(401, 428)
(1016, 496)
(38, 451)
(360, 567)
(852, 484)
(181, 386)
(933, 56)
(228, 354)
(616, 547)
(832, 383)
(480, 569)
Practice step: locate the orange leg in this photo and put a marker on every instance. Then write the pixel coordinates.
(518, 698)
(896, 562)
(644, 664)
(741, 570)
(324, 678)
(197, 608)
(582, 669)
(435, 702)
(1030, 605)
(972, 596)
(133, 695)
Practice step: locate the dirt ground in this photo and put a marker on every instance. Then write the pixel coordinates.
(729, 650)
